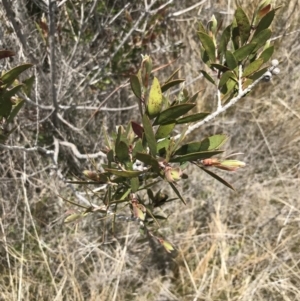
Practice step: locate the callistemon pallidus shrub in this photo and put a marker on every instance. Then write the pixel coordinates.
(147, 153)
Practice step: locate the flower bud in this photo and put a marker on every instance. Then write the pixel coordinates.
(173, 174)
(267, 76)
(275, 63)
(231, 165)
(276, 71)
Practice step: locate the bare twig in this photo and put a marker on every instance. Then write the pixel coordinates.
(222, 109)
(52, 8)
(78, 155)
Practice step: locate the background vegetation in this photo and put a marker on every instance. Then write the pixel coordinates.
(240, 245)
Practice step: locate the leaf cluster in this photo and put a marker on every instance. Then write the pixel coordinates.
(10, 102)
(239, 52)
(142, 155)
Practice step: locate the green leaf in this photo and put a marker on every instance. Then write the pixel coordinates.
(149, 161)
(241, 53)
(177, 193)
(171, 84)
(253, 67)
(243, 25)
(225, 38)
(194, 97)
(138, 147)
(208, 45)
(235, 35)
(195, 156)
(12, 92)
(225, 77)
(261, 38)
(134, 184)
(267, 53)
(5, 107)
(162, 146)
(218, 178)
(119, 136)
(155, 101)
(192, 118)
(259, 73)
(208, 77)
(210, 143)
(9, 77)
(6, 104)
(110, 156)
(136, 86)
(172, 113)
(149, 134)
(27, 85)
(201, 27)
(172, 75)
(265, 22)
(220, 67)
(15, 110)
(164, 131)
(229, 86)
(231, 61)
(120, 195)
(124, 173)
(122, 151)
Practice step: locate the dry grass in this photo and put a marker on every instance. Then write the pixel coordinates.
(234, 246)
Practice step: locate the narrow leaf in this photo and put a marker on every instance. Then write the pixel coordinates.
(164, 131)
(122, 151)
(261, 38)
(208, 77)
(8, 77)
(218, 178)
(241, 53)
(253, 67)
(265, 22)
(74, 217)
(27, 85)
(134, 184)
(15, 110)
(172, 113)
(243, 25)
(225, 77)
(172, 75)
(225, 38)
(149, 134)
(259, 73)
(231, 61)
(136, 86)
(267, 53)
(149, 161)
(171, 84)
(124, 173)
(210, 143)
(177, 193)
(195, 156)
(220, 67)
(208, 45)
(192, 118)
